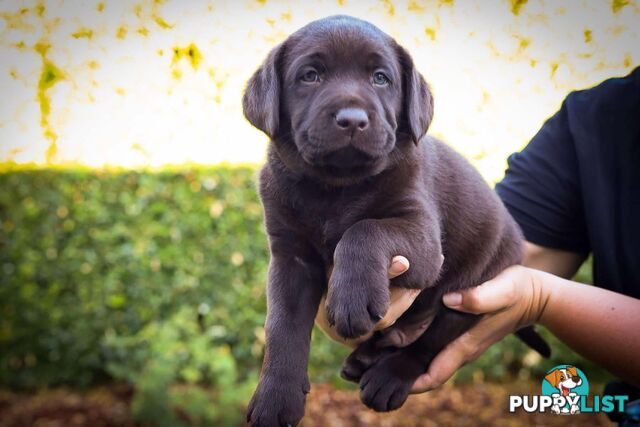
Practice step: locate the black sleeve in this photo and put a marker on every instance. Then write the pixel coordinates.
(541, 189)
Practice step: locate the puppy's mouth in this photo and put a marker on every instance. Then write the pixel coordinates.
(347, 160)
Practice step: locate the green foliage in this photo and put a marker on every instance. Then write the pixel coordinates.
(158, 279)
(99, 270)
(176, 364)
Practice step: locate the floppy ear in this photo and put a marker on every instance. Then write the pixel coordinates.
(553, 377)
(418, 102)
(573, 371)
(261, 100)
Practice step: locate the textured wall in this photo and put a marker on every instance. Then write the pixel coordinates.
(150, 83)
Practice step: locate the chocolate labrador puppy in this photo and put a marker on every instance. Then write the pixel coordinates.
(351, 180)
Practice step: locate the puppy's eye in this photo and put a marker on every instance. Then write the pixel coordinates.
(310, 76)
(380, 79)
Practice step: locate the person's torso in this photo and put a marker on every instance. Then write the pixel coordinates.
(605, 125)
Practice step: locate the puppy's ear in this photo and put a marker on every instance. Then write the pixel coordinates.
(418, 102)
(261, 100)
(553, 377)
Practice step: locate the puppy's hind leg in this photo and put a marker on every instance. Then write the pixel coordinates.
(386, 385)
(363, 357)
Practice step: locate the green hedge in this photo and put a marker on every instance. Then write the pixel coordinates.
(156, 278)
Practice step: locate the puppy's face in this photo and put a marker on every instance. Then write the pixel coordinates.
(339, 98)
(564, 379)
(342, 93)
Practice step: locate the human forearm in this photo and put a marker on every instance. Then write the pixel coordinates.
(599, 324)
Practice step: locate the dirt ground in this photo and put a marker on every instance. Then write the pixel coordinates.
(465, 405)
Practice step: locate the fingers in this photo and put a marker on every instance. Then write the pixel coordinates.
(499, 297)
(399, 265)
(401, 300)
(489, 297)
(464, 349)
(405, 332)
(440, 371)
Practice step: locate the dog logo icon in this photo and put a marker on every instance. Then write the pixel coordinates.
(565, 391)
(566, 384)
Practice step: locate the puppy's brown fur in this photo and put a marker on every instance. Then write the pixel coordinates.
(351, 180)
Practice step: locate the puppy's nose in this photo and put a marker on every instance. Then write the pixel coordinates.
(352, 119)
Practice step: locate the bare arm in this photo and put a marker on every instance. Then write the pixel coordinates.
(610, 318)
(591, 320)
(599, 324)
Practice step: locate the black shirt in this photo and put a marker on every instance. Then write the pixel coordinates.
(576, 186)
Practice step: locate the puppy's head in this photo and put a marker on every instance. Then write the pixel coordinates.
(565, 378)
(340, 99)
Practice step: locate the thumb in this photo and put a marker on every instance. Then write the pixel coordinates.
(489, 297)
(399, 265)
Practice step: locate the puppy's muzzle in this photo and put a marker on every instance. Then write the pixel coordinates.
(347, 157)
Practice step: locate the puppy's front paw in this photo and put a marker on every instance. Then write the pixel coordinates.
(277, 403)
(356, 301)
(386, 385)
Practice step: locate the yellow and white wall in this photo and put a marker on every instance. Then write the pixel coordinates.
(149, 83)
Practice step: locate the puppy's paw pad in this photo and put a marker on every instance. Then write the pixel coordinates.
(349, 320)
(361, 359)
(383, 394)
(276, 405)
(386, 385)
(355, 314)
(352, 324)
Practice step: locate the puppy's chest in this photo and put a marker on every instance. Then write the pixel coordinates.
(325, 219)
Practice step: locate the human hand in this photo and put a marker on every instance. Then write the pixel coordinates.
(514, 299)
(400, 300)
